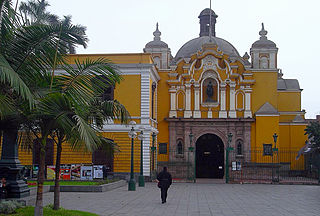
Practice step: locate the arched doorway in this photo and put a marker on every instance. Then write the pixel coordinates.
(209, 157)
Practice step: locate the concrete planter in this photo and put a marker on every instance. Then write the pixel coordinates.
(90, 188)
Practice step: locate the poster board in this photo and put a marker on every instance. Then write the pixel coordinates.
(65, 172)
(86, 173)
(51, 172)
(98, 171)
(75, 171)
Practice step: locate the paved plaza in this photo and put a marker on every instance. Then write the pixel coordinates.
(188, 199)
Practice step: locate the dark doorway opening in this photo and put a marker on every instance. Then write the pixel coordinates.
(209, 157)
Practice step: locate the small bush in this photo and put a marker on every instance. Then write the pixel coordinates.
(50, 206)
(9, 207)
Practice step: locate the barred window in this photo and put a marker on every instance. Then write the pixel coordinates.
(267, 149)
(162, 148)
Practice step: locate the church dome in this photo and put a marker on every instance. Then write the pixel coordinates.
(195, 44)
(207, 29)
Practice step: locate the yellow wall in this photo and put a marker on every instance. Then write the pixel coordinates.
(122, 159)
(265, 127)
(264, 90)
(128, 93)
(289, 101)
(68, 155)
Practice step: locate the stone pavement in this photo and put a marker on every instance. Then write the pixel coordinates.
(188, 199)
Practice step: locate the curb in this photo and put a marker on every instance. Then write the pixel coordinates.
(90, 188)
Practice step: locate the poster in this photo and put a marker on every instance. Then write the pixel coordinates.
(65, 172)
(75, 171)
(35, 170)
(51, 172)
(98, 171)
(86, 172)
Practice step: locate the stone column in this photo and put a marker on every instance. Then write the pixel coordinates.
(232, 111)
(173, 105)
(223, 112)
(247, 110)
(188, 112)
(197, 112)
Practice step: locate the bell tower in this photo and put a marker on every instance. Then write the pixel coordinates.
(264, 52)
(160, 51)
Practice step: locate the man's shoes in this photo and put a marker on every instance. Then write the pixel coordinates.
(163, 202)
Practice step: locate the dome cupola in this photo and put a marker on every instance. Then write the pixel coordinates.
(205, 22)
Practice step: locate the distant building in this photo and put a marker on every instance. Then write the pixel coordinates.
(207, 89)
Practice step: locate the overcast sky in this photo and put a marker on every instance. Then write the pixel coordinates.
(125, 26)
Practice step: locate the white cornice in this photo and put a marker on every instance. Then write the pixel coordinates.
(293, 123)
(292, 112)
(266, 115)
(297, 91)
(256, 70)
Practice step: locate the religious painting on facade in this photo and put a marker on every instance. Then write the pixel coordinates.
(210, 91)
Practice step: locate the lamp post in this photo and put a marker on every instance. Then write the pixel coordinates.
(132, 135)
(191, 149)
(227, 156)
(141, 177)
(153, 150)
(274, 152)
(275, 138)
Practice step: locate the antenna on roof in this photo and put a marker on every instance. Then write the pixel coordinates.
(210, 26)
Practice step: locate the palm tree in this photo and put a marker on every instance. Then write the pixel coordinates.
(26, 52)
(67, 107)
(94, 110)
(35, 12)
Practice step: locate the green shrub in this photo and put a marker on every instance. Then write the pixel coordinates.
(9, 207)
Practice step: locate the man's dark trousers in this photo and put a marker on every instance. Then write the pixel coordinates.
(164, 193)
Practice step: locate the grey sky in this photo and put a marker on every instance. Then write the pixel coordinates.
(125, 26)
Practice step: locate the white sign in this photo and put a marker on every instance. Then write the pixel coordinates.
(234, 165)
(98, 171)
(86, 173)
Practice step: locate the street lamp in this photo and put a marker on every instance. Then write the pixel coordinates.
(141, 178)
(191, 149)
(227, 156)
(153, 150)
(275, 153)
(132, 135)
(275, 137)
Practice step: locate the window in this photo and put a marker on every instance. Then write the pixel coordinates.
(180, 147)
(267, 149)
(107, 91)
(239, 147)
(162, 148)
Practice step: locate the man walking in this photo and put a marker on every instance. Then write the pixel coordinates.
(165, 180)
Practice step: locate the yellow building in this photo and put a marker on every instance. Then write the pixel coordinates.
(207, 90)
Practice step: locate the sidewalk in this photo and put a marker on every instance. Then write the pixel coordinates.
(188, 199)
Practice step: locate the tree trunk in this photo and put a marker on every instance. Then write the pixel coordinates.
(56, 202)
(38, 210)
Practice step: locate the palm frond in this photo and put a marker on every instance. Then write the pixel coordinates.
(88, 79)
(9, 76)
(6, 106)
(87, 134)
